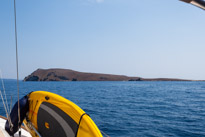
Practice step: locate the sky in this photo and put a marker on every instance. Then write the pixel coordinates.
(145, 38)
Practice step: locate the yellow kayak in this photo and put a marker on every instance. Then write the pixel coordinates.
(54, 116)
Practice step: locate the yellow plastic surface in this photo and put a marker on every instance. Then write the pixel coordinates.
(87, 127)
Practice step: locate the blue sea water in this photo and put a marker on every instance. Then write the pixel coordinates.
(131, 109)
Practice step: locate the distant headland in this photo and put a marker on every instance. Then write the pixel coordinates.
(71, 75)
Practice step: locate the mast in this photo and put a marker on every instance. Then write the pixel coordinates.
(17, 71)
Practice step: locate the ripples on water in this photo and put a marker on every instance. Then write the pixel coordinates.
(130, 109)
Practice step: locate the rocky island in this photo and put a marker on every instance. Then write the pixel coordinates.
(71, 75)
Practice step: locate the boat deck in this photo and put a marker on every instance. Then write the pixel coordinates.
(24, 133)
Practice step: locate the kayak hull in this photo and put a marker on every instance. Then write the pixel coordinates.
(52, 115)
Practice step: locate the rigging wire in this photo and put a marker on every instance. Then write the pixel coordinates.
(10, 105)
(4, 92)
(104, 133)
(4, 104)
(17, 70)
(4, 100)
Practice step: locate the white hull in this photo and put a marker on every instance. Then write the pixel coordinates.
(3, 133)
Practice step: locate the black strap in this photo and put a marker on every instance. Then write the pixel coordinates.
(80, 122)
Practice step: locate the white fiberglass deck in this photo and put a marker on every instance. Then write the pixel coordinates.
(3, 133)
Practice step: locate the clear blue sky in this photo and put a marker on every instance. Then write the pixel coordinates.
(146, 38)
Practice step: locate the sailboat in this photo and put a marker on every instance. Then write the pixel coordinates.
(49, 115)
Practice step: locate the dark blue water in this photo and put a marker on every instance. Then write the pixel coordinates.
(131, 109)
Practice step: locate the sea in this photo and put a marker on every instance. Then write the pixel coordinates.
(131, 109)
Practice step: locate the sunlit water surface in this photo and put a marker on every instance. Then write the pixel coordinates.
(131, 109)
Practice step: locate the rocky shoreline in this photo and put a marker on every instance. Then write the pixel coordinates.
(71, 75)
